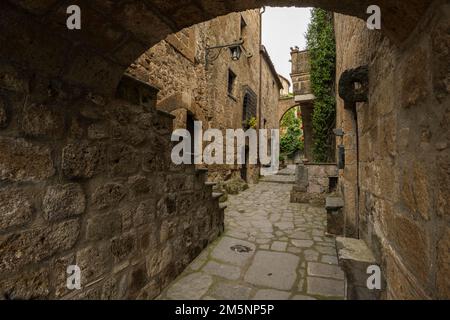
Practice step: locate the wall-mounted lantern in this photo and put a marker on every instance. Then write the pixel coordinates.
(236, 50)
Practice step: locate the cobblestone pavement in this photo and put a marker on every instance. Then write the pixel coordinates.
(271, 249)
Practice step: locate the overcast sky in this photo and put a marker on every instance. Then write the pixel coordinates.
(284, 28)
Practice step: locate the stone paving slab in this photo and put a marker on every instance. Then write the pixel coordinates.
(230, 291)
(290, 256)
(325, 287)
(273, 269)
(223, 251)
(191, 287)
(269, 294)
(222, 270)
(325, 270)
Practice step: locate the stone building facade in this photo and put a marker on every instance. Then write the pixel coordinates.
(270, 92)
(286, 90)
(197, 83)
(396, 179)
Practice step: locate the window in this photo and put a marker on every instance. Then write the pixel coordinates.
(250, 105)
(231, 82)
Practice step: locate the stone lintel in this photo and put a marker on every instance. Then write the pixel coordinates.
(304, 98)
(334, 203)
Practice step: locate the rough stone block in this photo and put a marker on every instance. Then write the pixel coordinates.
(414, 88)
(103, 226)
(400, 284)
(34, 245)
(145, 212)
(59, 274)
(108, 195)
(33, 284)
(123, 160)
(15, 208)
(123, 246)
(412, 243)
(94, 261)
(167, 206)
(23, 161)
(140, 185)
(157, 261)
(81, 160)
(63, 201)
(40, 120)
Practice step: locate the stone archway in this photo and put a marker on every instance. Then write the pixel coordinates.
(51, 71)
(113, 34)
(306, 115)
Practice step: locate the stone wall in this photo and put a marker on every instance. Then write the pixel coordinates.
(270, 93)
(88, 181)
(177, 66)
(404, 178)
(313, 184)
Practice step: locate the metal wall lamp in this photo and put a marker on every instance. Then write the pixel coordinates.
(236, 50)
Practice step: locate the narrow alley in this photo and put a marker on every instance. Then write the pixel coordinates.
(272, 249)
(136, 137)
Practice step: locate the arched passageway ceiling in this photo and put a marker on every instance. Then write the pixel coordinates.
(115, 33)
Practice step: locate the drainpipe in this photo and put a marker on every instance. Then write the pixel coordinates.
(354, 88)
(261, 12)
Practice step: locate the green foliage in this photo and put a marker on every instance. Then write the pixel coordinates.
(322, 50)
(251, 123)
(291, 141)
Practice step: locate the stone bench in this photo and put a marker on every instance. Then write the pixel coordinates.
(335, 217)
(354, 258)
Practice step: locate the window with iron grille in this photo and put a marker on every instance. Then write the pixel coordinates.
(250, 104)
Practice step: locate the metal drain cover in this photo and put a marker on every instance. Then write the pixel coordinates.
(240, 248)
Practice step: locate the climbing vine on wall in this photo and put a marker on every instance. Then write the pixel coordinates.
(322, 50)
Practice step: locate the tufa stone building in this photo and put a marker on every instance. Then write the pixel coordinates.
(84, 167)
(201, 83)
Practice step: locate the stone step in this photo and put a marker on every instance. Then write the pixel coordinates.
(355, 257)
(335, 217)
(217, 195)
(222, 206)
(210, 184)
(282, 179)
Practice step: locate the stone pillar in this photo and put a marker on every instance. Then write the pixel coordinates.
(299, 193)
(307, 111)
(301, 178)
